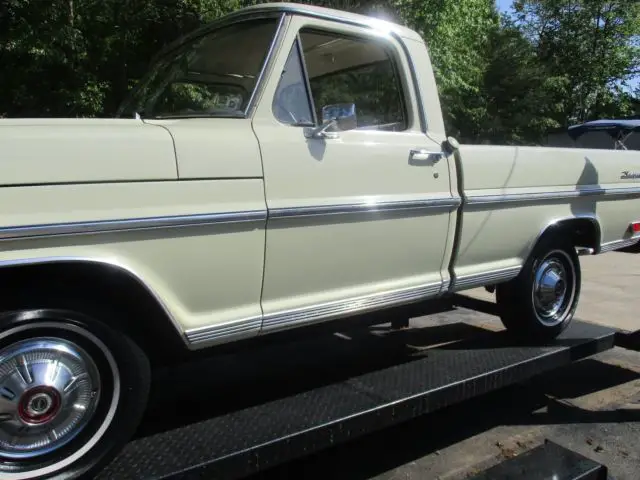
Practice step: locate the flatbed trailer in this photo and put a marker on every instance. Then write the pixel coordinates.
(244, 441)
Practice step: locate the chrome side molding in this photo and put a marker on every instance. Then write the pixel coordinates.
(222, 333)
(618, 244)
(475, 280)
(445, 203)
(131, 224)
(205, 219)
(587, 191)
(422, 205)
(347, 307)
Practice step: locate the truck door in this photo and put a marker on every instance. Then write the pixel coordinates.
(356, 220)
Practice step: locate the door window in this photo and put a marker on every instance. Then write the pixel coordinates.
(291, 103)
(345, 76)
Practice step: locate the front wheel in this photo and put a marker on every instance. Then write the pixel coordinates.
(540, 303)
(72, 391)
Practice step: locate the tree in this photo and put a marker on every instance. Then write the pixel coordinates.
(458, 35)
(549, 64)
(593, 44)
(66, 58)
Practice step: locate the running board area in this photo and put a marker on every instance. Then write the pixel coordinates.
(281, 428)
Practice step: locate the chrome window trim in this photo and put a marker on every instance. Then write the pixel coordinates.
(422, 115)
(266, 66)
(131, 224)
(221, 22)
(305, 77)
(394, 58)
(283, 11)
(364, 23)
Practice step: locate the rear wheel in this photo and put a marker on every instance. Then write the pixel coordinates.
(540, 302)
(72, 392)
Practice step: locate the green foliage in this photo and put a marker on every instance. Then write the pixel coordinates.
(593, 44)
(80, 58)
(509, 79)
(458, 34)
(521, 94)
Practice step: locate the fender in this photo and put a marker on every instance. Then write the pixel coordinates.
(562, 221)
(103, 264)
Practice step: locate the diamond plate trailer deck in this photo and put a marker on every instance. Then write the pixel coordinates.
(547, 461)
(248, 440)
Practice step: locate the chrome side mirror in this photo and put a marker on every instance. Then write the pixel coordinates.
(338, 116)
(343, 113)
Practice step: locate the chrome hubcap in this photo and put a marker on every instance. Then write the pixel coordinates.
(553, 289)
(49, 388)
(39, 405)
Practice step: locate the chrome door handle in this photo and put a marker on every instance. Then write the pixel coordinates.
(422, 155)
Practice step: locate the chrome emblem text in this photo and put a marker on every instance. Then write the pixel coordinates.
(627, 175)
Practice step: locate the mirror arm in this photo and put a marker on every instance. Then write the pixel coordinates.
(322, 131)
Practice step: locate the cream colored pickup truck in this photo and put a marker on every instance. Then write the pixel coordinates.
(284, 166)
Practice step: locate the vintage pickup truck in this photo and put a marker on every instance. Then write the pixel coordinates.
(284, 166)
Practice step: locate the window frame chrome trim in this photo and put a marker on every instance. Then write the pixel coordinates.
(290, 10)
(394, 57)
(305, 76)
(422, 114)
(266, 66)
(284, 12)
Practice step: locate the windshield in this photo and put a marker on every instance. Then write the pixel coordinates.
(211, 76)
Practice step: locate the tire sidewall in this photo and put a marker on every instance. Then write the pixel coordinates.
(541, 253)
(515, 298)
(132, 370)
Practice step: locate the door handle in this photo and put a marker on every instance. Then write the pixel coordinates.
(422, 155)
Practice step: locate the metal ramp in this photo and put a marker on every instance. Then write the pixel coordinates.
(250, 439)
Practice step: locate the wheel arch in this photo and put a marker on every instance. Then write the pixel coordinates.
(86, 279)
(583, 230)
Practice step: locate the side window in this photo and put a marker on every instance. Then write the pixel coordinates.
(291, 101)
(353, 71)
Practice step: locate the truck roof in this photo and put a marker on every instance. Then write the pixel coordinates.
(333, 14)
